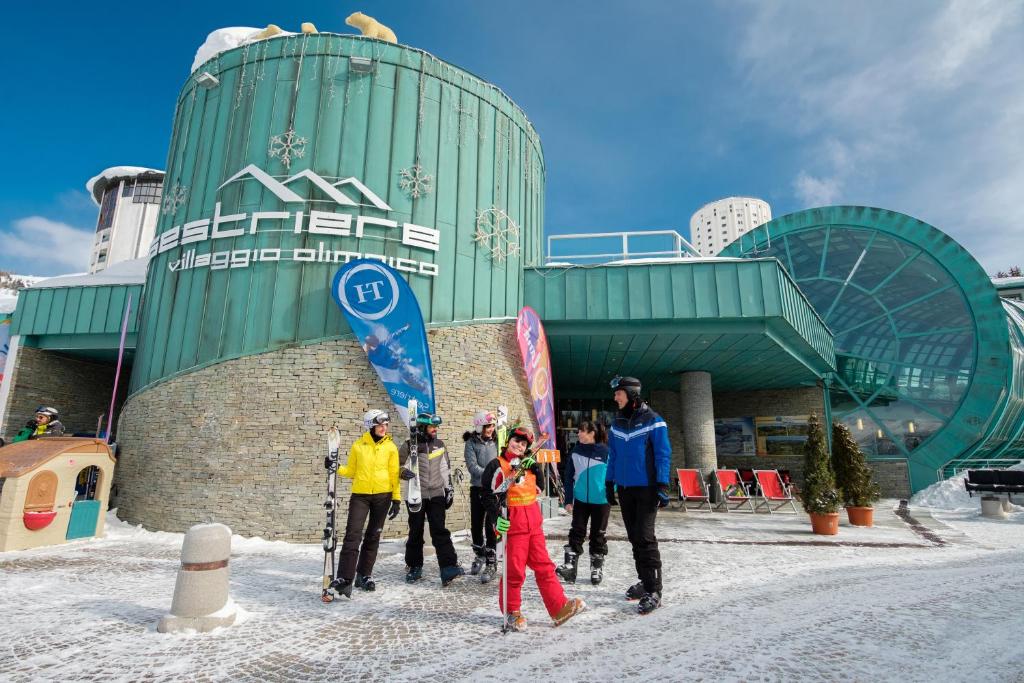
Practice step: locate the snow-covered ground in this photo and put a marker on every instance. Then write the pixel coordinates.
(747, 598)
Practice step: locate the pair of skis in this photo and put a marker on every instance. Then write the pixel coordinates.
(330, 539)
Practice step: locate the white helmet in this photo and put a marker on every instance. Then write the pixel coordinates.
(375, 417)
(482, 418)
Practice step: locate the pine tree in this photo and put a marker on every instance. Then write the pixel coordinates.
(820, 495)
(853, 476)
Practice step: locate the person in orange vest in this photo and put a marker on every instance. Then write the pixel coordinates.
(522, 525)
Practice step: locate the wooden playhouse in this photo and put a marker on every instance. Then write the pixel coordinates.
(53, 490)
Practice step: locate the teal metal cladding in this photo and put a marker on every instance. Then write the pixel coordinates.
(76, 317)
(746, 322)
(333, 139)
(923, 351)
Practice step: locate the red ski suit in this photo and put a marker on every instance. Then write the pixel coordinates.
(525, 546)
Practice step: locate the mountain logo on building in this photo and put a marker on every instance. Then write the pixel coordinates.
(280, 189)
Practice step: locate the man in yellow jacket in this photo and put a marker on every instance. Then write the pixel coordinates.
(373, 467)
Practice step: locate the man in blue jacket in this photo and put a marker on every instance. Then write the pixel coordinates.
(638, 465)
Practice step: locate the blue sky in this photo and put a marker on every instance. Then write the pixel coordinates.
(646, 109)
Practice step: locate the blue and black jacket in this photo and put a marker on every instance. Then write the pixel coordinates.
(586, 471)
(639, 450)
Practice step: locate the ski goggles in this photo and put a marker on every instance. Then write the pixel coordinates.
(381, 419)
(428, 420)
(615, 381)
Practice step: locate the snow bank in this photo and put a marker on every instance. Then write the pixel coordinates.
(948, 494)
(117, 172)
(119, 530)
(224, 39)
(131, 272)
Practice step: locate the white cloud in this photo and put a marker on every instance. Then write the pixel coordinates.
(46, 246)
(915, 106)
(816, 191)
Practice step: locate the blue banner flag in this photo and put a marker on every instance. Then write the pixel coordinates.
(386, 319)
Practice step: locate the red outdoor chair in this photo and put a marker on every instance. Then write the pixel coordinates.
(692, 489)
(739, 498)
(772, 491)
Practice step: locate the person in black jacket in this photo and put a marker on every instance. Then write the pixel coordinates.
(586, 498)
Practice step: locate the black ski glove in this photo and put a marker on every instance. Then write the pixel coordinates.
(609, 489)
(449, 497)
(406, 474)
(396, 505)
(663, 496)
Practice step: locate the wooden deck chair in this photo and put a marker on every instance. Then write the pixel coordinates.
(772, 491)
(731, 491)
(693, 490)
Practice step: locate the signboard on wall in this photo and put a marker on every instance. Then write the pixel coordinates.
(781, 434)
(734, 436)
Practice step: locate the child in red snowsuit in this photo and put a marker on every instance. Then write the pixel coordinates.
(522, 525)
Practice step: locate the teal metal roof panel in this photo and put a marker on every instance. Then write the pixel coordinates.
(70, 311)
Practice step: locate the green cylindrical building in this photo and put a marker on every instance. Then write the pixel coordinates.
(289, 157)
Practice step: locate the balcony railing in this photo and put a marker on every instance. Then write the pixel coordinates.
(603, 245)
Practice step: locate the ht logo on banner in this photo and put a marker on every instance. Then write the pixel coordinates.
(386, 319)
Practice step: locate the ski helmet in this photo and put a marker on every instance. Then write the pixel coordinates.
(47, 411)
(521, 434)
(426, 420)
(482, 419)
(631, 385)
(375, 417)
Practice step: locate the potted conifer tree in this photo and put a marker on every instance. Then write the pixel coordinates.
(820, 496)
(853, 477)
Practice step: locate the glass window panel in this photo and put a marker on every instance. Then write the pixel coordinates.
(876, 340)
(921, 277)
(844, 249)
(944, 310)
(107, 206)
(805, 248)
(884, 257)
(854, 308)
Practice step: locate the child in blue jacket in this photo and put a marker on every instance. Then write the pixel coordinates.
(586, 499)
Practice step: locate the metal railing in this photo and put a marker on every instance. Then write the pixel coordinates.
(681, 248)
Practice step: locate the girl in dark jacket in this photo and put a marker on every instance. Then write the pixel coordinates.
(586, 498)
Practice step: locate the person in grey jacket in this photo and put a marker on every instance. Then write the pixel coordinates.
(481, 448)
(438, 495)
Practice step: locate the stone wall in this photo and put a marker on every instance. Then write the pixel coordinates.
(79, 389)
(242, 442)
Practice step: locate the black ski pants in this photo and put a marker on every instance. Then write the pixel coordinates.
(355, 557)
(639, 510)
(432, 512)
(480, 522)
(597, 515)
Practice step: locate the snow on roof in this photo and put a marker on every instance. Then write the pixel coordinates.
(98, 182)
(1008, 282)
(224, 39)
(122, 273)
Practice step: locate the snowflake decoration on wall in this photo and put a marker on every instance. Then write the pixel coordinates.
(497, 232)
(287, 146)
(173, 199)
(415, 181)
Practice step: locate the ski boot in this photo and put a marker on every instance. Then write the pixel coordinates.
(636, 591)
(571, 608)
(366, 583)
(343, 586)
(491, 568)
(568, 570)
(649, 603)
(515, 621)
(449, 574)
(478, 560)
(596, 569)
(414, 574)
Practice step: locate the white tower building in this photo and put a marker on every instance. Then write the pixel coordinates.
(129, 201)
(718, 223)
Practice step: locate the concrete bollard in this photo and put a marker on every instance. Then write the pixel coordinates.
(201, 595)
(992, 506)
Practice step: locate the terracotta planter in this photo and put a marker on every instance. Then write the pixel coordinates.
(861, 516)
(825, 524)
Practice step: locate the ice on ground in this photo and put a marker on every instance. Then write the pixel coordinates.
(224, 39)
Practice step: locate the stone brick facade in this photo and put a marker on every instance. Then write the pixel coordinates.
(242, 442)
(79, 389)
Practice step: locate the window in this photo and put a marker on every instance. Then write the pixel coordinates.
(107, 207)
(101, 257)
(147, 192)
(128, 188)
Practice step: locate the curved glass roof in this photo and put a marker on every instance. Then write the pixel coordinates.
(923, 357)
